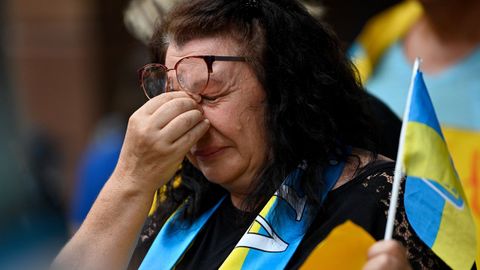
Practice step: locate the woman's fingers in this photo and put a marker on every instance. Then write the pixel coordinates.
(181, 125)
(186, 142)
(391, 247)
(156, 102)
(171, 110)
(158, 137)
(387, 255)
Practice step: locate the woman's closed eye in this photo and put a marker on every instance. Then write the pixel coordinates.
(210, 98)
(214, 91)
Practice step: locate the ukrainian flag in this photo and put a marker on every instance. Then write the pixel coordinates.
(435, 203)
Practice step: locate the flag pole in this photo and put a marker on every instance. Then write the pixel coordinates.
(398, 174)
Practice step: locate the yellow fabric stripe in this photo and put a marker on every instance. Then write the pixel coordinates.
(154, 205)
(383, 30)
(426, 155)
(235, 260)
(255, 227)
(458, 250)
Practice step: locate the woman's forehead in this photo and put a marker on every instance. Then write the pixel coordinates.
(201, 46)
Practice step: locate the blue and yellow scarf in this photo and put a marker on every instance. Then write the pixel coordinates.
(271, 239)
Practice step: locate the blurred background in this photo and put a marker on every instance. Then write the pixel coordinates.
(68, 83)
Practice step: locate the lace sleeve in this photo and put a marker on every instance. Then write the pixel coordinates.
(419, 254)
(147, 235)
(149, 231)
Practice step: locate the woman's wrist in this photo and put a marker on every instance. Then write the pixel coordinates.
(113, 223)
(132, 186)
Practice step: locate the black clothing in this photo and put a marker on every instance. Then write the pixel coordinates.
(386, 124)
(218, 238)
(363, 200)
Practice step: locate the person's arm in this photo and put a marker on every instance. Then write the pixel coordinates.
(109, 233)
(158, 136)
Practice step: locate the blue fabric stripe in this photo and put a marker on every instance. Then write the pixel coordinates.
(162, 254)
(332, 174)
(421, 108)
(283, 220)
(262, 231)
(424, 208)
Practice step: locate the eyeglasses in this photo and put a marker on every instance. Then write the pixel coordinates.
(192, 72)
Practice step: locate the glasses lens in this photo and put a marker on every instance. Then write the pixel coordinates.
(154, 79)
(192, 74)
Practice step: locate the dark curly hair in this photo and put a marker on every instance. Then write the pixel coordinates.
(315, 105)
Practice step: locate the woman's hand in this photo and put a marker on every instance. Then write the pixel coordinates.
(389, 254)
(158, 137)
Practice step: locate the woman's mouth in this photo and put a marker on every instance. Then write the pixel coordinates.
(209, 152)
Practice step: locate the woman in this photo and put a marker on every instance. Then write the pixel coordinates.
(267, 111)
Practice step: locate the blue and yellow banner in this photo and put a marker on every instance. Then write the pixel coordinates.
(435, 203)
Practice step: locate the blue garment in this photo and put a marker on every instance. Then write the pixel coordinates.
(455, 92)
(96, 166)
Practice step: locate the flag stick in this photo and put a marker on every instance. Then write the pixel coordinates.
(398, 174)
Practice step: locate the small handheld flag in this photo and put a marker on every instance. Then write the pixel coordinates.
(434, 200)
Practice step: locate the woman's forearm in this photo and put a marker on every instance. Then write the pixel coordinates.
(108, 235)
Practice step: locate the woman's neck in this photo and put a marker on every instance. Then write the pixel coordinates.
(237, 200)
(446, 33)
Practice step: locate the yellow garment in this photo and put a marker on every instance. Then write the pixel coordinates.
(464, 147)
(382, 31)
(346, 247)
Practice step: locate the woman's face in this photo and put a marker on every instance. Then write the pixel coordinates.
(234, 148)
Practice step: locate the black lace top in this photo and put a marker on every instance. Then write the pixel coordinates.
(363, 200)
